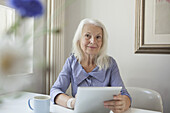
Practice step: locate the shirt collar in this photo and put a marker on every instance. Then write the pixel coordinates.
(98, 74)
(81, 74)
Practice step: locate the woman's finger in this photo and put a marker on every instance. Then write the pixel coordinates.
(117, 97)
(118, 107)
(109, 103)
(113, 103)
(118, 111)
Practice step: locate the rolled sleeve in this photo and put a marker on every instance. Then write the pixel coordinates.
(54, 93)
(125, 92)
(63, 81)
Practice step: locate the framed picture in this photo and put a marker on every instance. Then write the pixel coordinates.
(152, 26)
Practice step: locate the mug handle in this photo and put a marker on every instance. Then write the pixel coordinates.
(30, 104)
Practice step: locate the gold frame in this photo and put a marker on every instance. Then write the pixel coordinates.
(140, 46)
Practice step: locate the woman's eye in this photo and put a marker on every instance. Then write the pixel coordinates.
(87, 35)
(98, 37)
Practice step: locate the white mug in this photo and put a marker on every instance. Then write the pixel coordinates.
(41, 104)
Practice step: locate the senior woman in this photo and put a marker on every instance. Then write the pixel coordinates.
(89, 66)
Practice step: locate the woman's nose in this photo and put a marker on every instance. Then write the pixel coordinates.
(92, 40)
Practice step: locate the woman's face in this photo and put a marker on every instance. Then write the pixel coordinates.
(91, 39)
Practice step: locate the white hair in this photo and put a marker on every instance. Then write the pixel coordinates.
(101, 60)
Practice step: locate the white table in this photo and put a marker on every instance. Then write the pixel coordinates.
(18, 103)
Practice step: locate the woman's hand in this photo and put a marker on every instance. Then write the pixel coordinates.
(73, 103)
(119, 104)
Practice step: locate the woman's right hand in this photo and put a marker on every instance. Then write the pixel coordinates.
(73, 103)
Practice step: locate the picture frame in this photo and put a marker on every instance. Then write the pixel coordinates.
(147, 39)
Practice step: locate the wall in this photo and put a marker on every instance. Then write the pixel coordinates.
(138, 70)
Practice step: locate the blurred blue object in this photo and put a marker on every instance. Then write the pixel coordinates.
(27, 8)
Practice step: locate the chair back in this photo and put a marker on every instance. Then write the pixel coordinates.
(143, 98)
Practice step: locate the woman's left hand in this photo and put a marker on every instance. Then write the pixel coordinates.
(119, 104)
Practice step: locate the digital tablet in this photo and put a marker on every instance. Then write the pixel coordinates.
(91, 99)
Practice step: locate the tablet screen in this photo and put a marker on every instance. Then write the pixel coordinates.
(91, 99)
